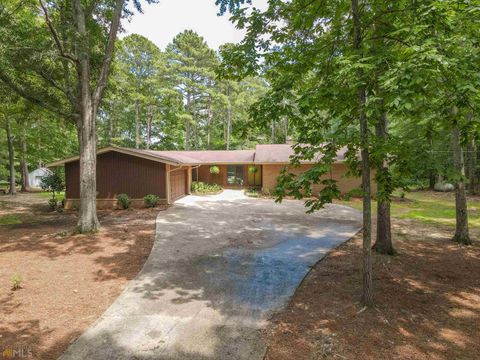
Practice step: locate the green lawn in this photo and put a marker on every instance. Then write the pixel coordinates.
(47, 195)
(428, 207)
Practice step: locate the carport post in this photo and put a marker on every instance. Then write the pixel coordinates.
(189, 180)
(167, 182)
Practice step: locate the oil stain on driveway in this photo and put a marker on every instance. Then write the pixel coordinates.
(219, 267)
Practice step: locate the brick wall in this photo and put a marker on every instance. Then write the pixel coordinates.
(345, 184)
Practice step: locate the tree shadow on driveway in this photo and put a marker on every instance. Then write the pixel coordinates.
(215, 267)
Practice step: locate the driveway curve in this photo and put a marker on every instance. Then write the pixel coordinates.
(219, 266)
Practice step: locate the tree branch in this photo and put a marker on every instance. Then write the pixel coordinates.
(51, 81)
(89, 9)
(33, 99)
(107, 60)
(56, 38)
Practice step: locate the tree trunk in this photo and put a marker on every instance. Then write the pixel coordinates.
(472, 166)
(229, 125)
(383, 243)
(86, 130)
(228, 128)
(273, 131)
(149, 127)
(209, 126)
(23, 163)
(462, 235)
(110, 123)
(11, 158)
(432, 176)
(224, 130)
(88, 221)
(367, 296)
(137, 125)
(431, 180)
(187, 123)
(195, 134)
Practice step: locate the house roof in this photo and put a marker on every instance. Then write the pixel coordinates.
(281, 153)
(211, 156)
(263, 154)
(40, 171)
(146, 154)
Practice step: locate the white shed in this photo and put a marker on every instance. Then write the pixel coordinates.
(35, 177)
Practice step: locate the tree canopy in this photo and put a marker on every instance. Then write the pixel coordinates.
(383, 79)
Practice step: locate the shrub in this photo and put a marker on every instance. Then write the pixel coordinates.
(151, 200)
(16, 282)
(214, 170)
(124, 201)
(52, 203)
(53, 183)
(253, 192)
(204, 188)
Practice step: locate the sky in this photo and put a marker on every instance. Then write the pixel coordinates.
(161, 22)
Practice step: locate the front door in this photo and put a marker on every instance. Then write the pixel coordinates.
(235, 175)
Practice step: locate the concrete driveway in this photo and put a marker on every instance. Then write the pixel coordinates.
(219, 267)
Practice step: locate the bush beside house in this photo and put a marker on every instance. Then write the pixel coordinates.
(151, 200)
(123, 200)
(201, 188)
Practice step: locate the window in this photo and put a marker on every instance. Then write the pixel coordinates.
(235, 175)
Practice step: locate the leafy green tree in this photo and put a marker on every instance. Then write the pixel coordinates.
(36, 137)
(319, 83)
(192, 63)
(338, 69)
(138, 60)
(142, 107)
(52, 183)
(67, 48)
(11, 157)
(437, 74)
(218, 114)
(9, 111)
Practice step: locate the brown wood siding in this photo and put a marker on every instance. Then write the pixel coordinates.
(338, 171)
(178, 184)
(72, 180)
(119, 173)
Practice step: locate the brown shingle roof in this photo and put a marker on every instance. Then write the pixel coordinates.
(210, 156)
(180, 157)
(281, 153)
(263, 154)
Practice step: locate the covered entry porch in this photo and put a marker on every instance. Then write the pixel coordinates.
(229, 175)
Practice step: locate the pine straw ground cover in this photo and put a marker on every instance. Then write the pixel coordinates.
(66, 281)
(427, 297)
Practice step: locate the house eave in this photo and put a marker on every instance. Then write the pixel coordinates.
(120, 150)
